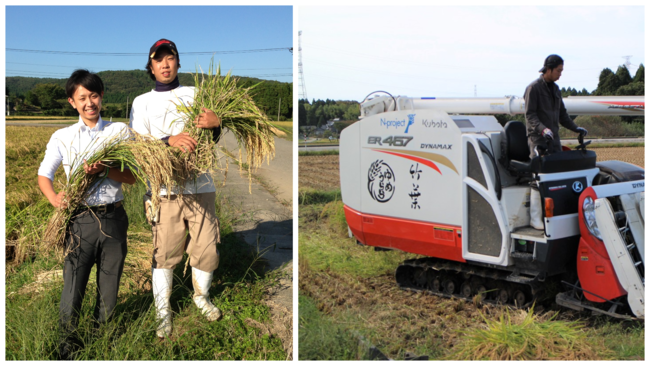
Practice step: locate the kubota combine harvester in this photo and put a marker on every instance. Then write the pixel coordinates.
(443, 179)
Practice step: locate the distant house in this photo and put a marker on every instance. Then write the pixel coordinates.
(320, 130)
(330, 124)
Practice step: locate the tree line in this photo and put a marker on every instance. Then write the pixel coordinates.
(610, 83)
(46, 96)
(319, 111)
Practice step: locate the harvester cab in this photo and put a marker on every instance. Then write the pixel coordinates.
(443, 179)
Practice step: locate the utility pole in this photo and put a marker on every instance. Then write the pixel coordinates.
(127, 106)
(279, 109)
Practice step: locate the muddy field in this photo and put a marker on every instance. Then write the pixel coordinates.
(322, 172)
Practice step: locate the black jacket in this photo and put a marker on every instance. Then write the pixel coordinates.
(545, 109)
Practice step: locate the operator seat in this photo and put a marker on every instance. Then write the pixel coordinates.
(515, 154)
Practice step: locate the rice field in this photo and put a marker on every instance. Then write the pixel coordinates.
(322, 171)
(351, 309)
(37, 118)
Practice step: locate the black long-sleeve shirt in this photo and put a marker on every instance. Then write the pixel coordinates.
(545, 109)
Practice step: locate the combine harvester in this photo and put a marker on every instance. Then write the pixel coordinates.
(419, 177)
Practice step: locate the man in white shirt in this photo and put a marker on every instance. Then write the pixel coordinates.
(96, 233)
(154, 113)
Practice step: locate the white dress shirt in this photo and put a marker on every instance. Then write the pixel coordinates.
(154, 113)
(71, 145)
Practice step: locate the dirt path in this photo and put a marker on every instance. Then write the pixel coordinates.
(267, 225)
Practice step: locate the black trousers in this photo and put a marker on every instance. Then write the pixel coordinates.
(93, 238)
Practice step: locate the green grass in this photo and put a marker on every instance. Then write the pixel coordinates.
(320, 338)
(626, 339)
(130, 335)
(530, 338)
(331, 249)
(239, 287)
(317, 152)
(313, 196)
(320, 142)
(133, 205)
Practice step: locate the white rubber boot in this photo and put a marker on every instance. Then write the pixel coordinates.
(161, 281)
(201, 282)
(536, 209)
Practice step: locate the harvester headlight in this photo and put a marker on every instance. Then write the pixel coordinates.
(590, 217)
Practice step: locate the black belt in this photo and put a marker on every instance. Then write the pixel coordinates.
(108, 208)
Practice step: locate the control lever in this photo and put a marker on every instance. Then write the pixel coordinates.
(582, 145)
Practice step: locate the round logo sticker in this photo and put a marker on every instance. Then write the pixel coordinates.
(381, 181)
(577, 187)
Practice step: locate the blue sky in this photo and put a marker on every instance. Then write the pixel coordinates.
(460, 51)
(133, 29)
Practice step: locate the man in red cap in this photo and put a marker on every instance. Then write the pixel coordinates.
(545, 112)
(154, 113)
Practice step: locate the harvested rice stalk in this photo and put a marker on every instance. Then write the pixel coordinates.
(115, 153)
(238, 113)
(158, 165)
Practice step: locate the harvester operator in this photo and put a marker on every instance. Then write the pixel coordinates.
(545, 112)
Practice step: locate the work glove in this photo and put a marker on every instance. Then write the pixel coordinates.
(548, 134)
(581, 130)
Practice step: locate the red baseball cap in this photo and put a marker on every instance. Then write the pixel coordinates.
(163, 43)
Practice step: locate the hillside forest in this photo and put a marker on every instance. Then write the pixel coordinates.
(46, 96)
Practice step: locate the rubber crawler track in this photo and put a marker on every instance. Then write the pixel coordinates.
(465, 281)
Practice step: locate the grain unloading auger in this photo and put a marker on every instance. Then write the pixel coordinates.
(418, 176)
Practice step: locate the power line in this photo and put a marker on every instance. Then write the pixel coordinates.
(22, 63)
(143, 54)
(266, 75)
(30, 72)
(50, 74)
(72, 67)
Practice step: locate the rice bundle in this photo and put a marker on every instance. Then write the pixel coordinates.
(238, 113)
(114, 153)
(149, 159)
(159, 166)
